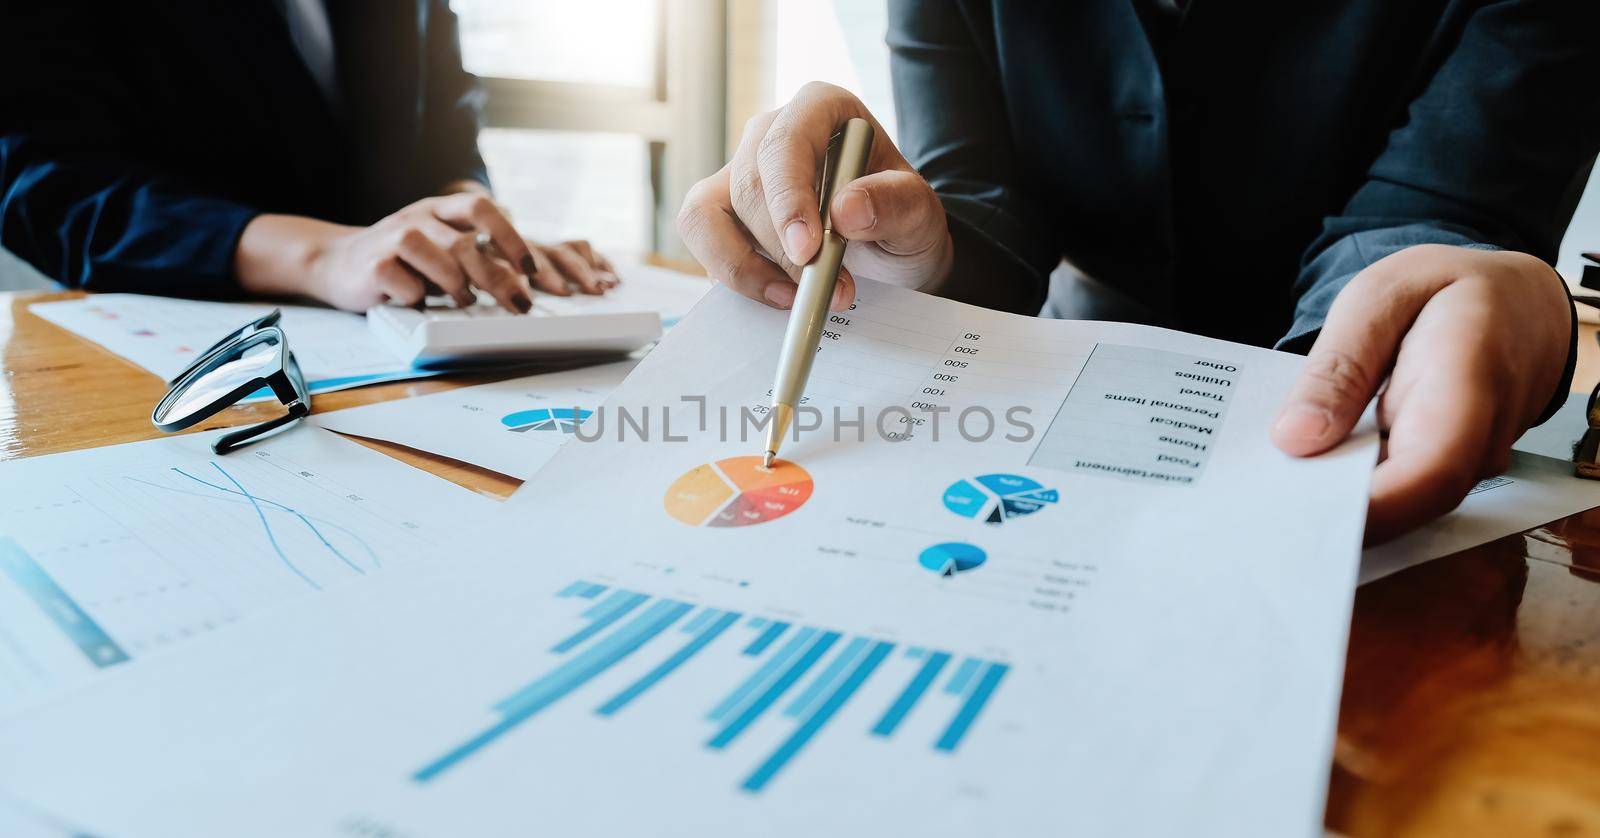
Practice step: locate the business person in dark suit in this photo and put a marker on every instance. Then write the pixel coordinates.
(1382, 184)
(271, 147)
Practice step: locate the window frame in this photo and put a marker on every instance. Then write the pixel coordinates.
(682, 115)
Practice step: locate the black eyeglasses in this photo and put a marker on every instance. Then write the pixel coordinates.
(254, 356)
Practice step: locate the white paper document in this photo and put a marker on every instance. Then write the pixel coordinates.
(335, 349)
(1538, 488)
(512, 427)
(1560, 433)
(1118, 610)
(164, 335)
(17, 820)
(111, 554)
(643, 288)
(1535, 490)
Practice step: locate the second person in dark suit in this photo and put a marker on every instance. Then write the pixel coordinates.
(1381, 184)
(324, 148)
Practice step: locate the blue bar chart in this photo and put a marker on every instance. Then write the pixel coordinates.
(800, 676)
(59, 606)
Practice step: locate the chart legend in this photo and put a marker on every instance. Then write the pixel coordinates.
(997, 498)
(737, 492)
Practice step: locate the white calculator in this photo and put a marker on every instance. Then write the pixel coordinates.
(442, 334)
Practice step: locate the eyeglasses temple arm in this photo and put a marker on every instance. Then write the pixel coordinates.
(238, 439)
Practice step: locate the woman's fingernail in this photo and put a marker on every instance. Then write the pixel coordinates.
(523, 304)
(1302, 421)
(528, 266)
(796, 237)
(839, 298)
(780, 293)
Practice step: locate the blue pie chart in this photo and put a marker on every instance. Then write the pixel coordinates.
(563, 419)
(952, 557)
(997, 498)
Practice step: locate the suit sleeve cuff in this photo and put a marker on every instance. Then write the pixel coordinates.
(986, 273)
(1559, 397)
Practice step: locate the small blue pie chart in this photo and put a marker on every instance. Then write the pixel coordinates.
(952, 557)
(563, 419)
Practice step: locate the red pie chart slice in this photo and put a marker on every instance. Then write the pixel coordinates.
(737, 492)
(739, 512)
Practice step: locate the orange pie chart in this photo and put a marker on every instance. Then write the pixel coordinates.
(737, 492)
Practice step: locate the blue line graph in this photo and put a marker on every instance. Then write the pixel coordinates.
(304, 519)
(261, 506)
(256, 502)
(271, 537)
(608, 641)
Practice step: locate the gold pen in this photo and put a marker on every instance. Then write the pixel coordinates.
(846, 160)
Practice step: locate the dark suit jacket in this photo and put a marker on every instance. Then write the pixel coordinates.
(1232, 173)
(137, 139)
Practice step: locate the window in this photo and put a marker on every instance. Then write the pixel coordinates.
(589, 42)
(777, 46)
(601, 113)
(1583, 234)
(562, 185)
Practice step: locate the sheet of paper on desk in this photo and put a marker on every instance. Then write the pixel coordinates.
(111, 554)
(1535, 490)
(18, 820)
(643, 288)
(163, 335)
(512, 427)
(1557, 436)
(335, 349)
(1538, 488)
(1130, 621)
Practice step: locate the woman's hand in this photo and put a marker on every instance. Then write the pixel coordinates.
(572, 264)
(1468, 347)
(430, 247)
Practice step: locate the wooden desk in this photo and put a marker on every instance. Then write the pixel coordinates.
(1471, 696)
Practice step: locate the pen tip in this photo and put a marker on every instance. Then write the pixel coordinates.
(767, 458)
